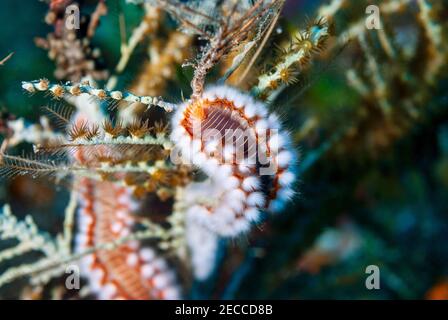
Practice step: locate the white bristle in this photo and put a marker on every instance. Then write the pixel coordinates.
(228, 152)
(262, 112)
(252, 214)
(235, 204)
(286, 178)
(160, 264)
(161, 280)
(274, 121)
(97, 274)
(171, 293)
(231, 183)
(81, 239)
(251, 183)
(250, 110)
(147, 254)
(108, 291)
(224, 171)
(236, 194)
(261, 126)
(241, 226)
(284, 159)
(256, 199)
(116, 227)
(285, 193)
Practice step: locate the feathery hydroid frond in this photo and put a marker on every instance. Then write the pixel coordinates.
(293, 59)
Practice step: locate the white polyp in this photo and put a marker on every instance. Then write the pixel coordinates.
(83, 227)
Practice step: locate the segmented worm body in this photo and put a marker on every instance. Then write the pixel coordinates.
(245, 154)
(128, 271)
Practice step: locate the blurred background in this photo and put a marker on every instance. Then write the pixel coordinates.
(370, 119)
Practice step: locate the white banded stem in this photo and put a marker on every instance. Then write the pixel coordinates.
(59, 90)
